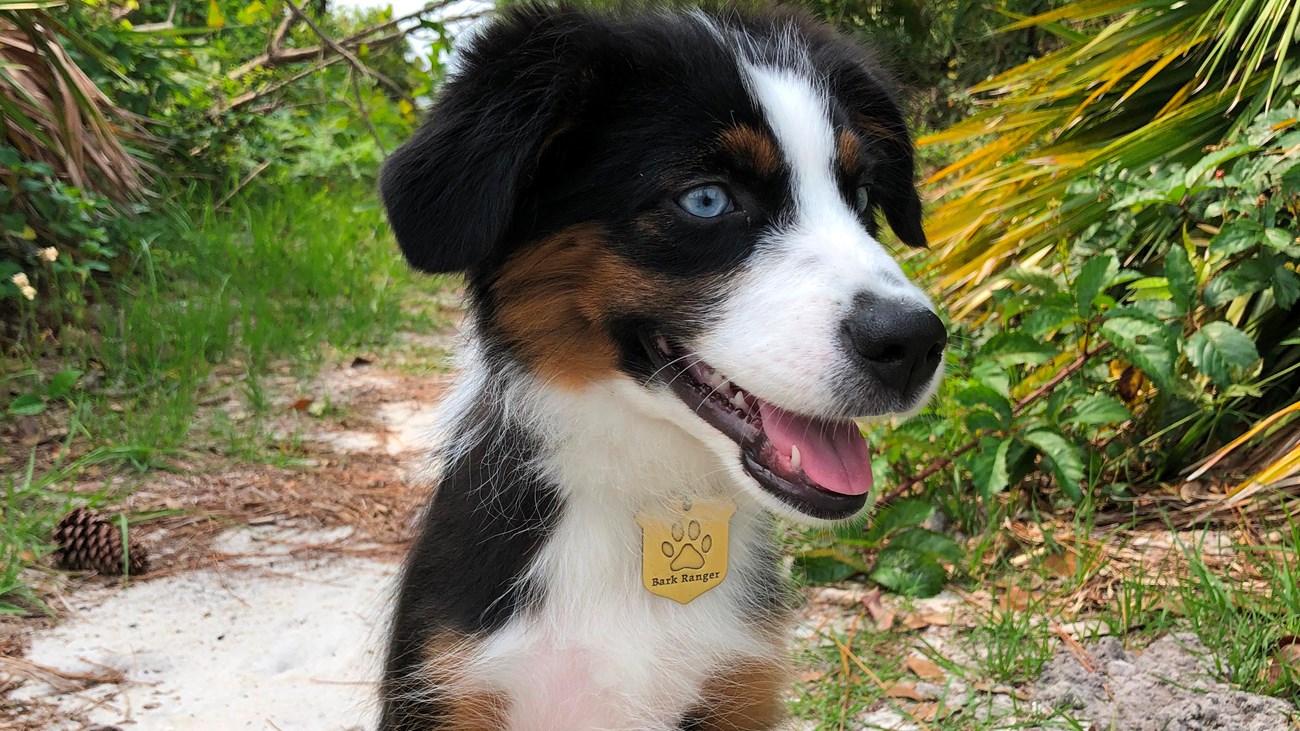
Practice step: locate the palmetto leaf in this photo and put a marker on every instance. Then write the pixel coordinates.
(1149, 81)
(51, 110)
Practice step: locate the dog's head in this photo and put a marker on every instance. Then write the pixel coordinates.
(688, 202)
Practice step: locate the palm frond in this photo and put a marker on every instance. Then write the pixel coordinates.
(54, 113)
(1151, 81)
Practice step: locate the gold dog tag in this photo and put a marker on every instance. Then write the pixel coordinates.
(684, 551)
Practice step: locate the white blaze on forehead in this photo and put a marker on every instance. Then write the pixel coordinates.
(780, 328)
(825, 228)
(798, 111)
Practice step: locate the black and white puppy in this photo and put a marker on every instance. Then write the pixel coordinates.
(677, 302)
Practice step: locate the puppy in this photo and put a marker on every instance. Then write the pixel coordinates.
(677, 302)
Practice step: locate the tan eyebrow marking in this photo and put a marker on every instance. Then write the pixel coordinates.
(752, 149)
(849, 149)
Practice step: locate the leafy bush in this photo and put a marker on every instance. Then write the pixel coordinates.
(1116, 244)
(196, 100)
(1119, 359)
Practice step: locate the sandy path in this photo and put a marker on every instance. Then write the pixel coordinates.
(289, 644)
(279, 625)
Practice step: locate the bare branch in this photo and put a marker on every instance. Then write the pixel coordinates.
(345, 53)
(167, 24)
(277, 55)
(254, 95)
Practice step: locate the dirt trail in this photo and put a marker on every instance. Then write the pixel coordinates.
(266, 606)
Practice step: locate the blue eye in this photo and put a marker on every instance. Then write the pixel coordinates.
(861, 198)
(706, 201)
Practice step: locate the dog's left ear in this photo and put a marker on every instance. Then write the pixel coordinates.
(452, 190)
(861, 83)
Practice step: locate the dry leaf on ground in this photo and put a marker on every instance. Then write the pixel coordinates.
(924, 669)
(904, 690)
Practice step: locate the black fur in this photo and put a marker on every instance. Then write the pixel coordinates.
(488, 518)
(558, 116)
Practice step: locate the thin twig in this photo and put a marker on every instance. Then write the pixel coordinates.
(167, 24)
(240, 186)
(250, 96)
(277, 55)
(365, 113)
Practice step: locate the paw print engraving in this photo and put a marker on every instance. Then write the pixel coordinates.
(681, 549)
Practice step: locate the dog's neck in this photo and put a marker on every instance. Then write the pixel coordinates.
(611, 441)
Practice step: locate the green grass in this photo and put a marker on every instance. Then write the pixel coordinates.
(212, 301)
(1247, 629)
(1245, 615)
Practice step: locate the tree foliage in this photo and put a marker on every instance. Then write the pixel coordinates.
(112, 111)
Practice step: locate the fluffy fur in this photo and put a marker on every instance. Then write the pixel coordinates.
(555, 171)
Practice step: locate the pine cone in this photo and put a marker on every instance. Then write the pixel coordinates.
(89, 542)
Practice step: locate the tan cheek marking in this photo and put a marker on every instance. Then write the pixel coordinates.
(850, 152)
(751, 149)
(748, 696)
(462, 706)
(553, 301)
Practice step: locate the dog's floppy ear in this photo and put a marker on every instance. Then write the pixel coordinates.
(872, 103)
(901, 204)
(451, 190)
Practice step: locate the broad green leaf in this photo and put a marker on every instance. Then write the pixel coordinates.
(27, 404)
(1099, 410)
(1065, 458)
(1217, 348)
(982, 395)
(1181, 277)
(992, 375)
(989, 466)
(1286, 287)
(895, 517)
(1017, 348)
(1247, 277)
(926, 542)
(1214, 160)
(1237, 236)
(1093, 277)
(821, 567)
(982, 421)
(62, 383)
(1282, 240)
(1048, 318)
(1145, 341)
(909, 573)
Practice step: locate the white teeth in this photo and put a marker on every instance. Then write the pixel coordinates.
(795, 459)
(662, 342)
(724, 387)
(739, 401)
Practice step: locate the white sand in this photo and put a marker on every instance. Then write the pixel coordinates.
(291, 644)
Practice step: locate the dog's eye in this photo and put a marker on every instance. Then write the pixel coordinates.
(706, 201)
(862, 198)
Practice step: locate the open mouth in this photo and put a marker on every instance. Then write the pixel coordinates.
(820, 467)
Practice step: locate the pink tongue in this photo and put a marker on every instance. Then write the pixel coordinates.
(833, 454)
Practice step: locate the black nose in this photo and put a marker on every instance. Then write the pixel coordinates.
(901, 342)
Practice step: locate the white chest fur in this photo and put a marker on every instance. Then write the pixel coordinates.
(600, 651)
